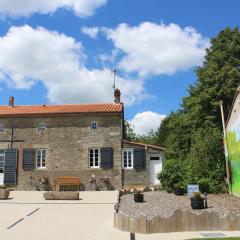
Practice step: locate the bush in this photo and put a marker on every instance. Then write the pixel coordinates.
(172, 174)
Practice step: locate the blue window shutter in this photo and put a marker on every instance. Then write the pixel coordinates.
(10, 168)
(139, 160)
(28, 159)
(106, 158)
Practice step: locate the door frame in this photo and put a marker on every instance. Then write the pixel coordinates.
(151, 172)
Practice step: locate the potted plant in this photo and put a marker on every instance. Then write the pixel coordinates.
(138, 197)
(179, 189)
(4, 193)
(197, 202)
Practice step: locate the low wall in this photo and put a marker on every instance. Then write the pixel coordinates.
(179, 221)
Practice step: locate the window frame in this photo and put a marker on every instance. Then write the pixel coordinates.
(93, 122)
(94, 158)
(131, 150)
(43, 128)
(41, 159)
(3, 154)
(1, 127)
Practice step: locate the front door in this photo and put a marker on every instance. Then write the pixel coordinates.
(155, 169)
(2, 157)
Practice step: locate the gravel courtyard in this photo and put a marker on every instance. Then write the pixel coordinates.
(164, 204)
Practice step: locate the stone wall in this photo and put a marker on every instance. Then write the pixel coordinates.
(67, 140)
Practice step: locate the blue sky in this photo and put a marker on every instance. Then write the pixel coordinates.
(63, 51)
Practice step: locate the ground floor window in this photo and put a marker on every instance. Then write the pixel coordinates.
(94, 157)
(128, 158)
(41, 158)
(2, 156)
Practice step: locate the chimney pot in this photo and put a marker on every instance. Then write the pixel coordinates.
(117, 96)
(11, 101)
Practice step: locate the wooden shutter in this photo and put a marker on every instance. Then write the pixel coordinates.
(28, 159)
(106, 158)
(139, 159)
(10, 168)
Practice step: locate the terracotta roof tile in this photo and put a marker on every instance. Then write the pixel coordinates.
(60, 109)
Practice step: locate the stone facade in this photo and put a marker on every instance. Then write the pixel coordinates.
(133, 177)
(67, 141)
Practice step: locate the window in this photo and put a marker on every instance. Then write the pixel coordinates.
(42, 127)
(128, 158)
(94, 157)
(93, 125)
(155, 158)
(41, 158)
(1, 127)
(2, 156)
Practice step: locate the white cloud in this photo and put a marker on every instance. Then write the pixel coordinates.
(90, 31)
(144, 122)
(17, 8)
(30, 55)
(152, 48)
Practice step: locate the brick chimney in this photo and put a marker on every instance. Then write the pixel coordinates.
(117, 96)
(11, 101)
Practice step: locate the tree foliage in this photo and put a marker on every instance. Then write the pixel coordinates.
(193, 134)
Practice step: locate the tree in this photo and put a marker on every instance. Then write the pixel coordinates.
(193, 134)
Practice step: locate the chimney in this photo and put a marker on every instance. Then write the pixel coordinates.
(117, 96)
(11, 101)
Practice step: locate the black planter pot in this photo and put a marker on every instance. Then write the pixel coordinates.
(179, 191)
(138, 197)
(197, 203)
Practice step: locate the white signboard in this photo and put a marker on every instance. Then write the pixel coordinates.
(191, 189)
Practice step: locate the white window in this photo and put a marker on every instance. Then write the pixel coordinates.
(1, 127)
(41, 158)
(42, 127)
(2, 157)
(93, 125)
(94, 157)
(127, 158)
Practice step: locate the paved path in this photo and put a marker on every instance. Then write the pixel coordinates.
(27, 216)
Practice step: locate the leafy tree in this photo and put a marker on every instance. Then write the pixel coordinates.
(193, 134)
(128, 131)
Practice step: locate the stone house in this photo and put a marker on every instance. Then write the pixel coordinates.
(72, 140)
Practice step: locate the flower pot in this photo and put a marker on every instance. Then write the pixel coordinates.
(197, 202)
(4, 193)
(138, 197)
(179, 191)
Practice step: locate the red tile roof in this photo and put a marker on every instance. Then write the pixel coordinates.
(60, 109)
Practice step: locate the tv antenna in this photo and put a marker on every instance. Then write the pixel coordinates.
(114, 78)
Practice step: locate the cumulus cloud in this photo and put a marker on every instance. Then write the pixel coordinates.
(31, 55)
(152, 48)
(144, 122)
(90, 31)
(17, 8)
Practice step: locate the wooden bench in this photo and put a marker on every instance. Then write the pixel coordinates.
(66, 183)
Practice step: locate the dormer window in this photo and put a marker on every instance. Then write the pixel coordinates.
(93, 125)
(1, 127)
(42, 127)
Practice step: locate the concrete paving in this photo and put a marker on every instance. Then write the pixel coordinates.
(28, 216)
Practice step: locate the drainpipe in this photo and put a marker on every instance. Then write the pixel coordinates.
(226, 148)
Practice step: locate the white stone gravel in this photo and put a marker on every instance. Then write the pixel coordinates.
(164, 204)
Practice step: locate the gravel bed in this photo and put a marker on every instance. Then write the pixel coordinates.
(164, 204)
